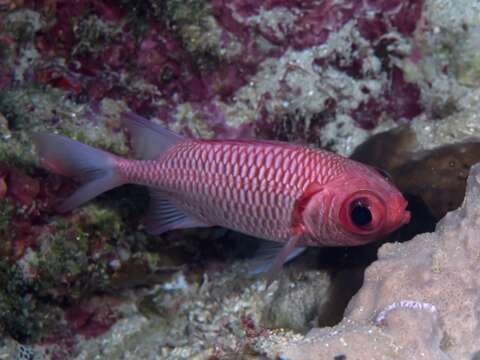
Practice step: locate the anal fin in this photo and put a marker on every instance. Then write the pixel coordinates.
(164, 216)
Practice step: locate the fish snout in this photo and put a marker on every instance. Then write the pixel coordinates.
(406, 217)
(399, 215)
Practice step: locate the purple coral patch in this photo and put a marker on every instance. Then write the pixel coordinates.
(91, 319)
(158, 57)
(403, 97)
(367, 114)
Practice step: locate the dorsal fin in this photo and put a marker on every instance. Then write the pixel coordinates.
(149, 140)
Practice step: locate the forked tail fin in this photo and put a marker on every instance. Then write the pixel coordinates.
(95, 168)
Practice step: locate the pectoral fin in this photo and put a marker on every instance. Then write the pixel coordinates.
(266, 255)
(282, 256)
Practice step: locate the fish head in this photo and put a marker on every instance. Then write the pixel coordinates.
(359, 207)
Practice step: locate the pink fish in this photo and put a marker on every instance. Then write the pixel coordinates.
(276, 191)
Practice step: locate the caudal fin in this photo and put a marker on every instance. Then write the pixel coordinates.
(95, 168)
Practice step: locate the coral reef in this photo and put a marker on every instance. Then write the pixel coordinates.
(205, 68)
(326, 73)
(217, 316)
(220, 314)
(222, 69)
(417, 300)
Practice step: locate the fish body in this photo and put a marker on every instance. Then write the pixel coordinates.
(271, 190)
(248, 186)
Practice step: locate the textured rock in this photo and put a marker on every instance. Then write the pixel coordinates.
(419, 299)
(437, 176)
(298, 301)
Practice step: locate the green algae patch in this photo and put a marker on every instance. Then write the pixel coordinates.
(7, 211)
(23, 24)
(17, 310)
(64, 255)
(465, 56)
(104, 221)
(67, 262)
(93, 35)
(30, 109)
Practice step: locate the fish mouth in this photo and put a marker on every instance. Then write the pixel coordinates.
(406, 217)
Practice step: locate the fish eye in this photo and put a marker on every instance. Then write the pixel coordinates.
(360, 215)
(363, 213)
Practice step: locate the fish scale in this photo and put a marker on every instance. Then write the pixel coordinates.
(250, 187)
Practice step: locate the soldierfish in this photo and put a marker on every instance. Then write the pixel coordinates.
(271, 190)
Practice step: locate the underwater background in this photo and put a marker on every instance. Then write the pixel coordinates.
(394, 84)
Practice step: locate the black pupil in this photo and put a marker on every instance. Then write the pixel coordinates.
(361, 215)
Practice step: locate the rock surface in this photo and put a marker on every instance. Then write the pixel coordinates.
(419, 300)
